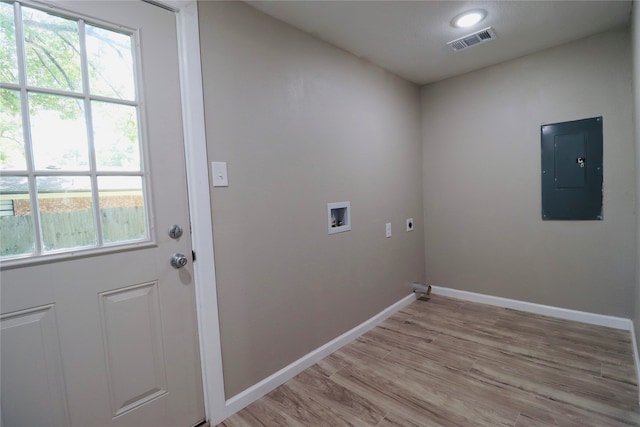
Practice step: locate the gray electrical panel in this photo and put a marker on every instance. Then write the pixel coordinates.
(572, 170)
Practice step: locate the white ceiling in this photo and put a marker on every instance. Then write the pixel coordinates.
(409, 37)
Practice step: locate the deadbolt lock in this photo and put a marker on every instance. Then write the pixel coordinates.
(175, 232)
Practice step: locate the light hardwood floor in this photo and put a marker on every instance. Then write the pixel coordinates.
(447, 362)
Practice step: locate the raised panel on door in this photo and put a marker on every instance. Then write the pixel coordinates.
(131, 320)
(32, 380)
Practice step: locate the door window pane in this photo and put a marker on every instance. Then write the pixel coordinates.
(122, 209)
(16, 221)
(52, 47)
(11, 136)
(110, 51)
(58, 132)
(66, 212)
(8, 56)
(115, 133)
(76, 142)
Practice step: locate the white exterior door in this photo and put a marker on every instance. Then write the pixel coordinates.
(99, 330)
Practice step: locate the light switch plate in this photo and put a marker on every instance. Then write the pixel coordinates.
(219, 173)
(388, 229)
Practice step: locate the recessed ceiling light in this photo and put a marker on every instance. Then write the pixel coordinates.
(468, 19)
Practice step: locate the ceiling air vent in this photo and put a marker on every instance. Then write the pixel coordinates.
(473, 39)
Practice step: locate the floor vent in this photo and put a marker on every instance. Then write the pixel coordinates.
(473, 39)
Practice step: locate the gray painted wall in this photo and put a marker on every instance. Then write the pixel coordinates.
(635, 43)
(482, 211)
(301, 124)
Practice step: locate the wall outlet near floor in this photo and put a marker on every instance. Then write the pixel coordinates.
(388, 230)
(409, 224)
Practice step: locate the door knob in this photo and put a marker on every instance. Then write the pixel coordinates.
(178, 261)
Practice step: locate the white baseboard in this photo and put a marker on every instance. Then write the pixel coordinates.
(636, 360)
(546, 310)
(258, 390)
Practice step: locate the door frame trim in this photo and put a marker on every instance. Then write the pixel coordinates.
(195, 146)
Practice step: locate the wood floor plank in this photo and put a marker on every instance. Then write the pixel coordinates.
(395, 420)
(615, 410)
(547, 357)
(259, 413)
(597, 352)
(412, 405)
(526, 421)
(301, 407)
(407, 382)
(625, 373)
(352, 407)
(447, 362)
(434, 354)
(428, 350)
(371, 347)
(330, 365)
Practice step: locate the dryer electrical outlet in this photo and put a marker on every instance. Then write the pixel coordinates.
(409, 224)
